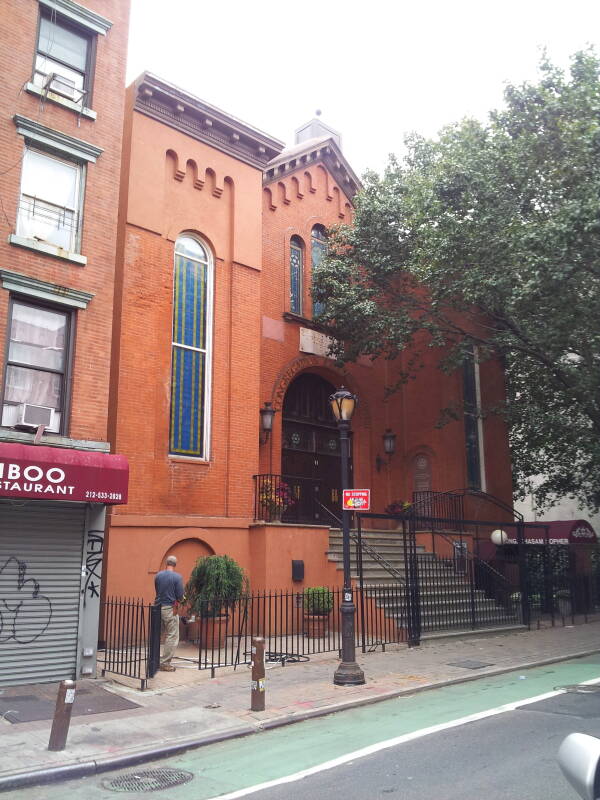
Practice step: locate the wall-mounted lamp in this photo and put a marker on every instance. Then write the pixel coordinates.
(267, 412)
(389, 448)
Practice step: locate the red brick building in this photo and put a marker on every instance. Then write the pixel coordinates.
(61, 126)
(219, 229)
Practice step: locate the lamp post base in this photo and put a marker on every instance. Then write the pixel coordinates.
(349, 674)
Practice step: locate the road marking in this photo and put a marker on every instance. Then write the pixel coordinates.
(406, 737)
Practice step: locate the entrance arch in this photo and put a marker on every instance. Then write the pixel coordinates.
(311, 449)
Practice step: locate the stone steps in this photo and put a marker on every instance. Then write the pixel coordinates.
(445, 595)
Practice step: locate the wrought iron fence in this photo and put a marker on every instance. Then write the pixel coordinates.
(295, 627)
(287, 498)
(132, 638)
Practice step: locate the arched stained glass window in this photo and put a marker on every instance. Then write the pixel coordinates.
(318, 242)
(296, 271)
(191, 349)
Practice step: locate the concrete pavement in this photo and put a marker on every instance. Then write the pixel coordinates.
(187, 708)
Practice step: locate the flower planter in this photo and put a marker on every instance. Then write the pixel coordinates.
(212, 631)
(316, 625)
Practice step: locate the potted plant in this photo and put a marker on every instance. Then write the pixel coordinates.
(398, 507)
(275, 497)
(216, 584)
(318, 603)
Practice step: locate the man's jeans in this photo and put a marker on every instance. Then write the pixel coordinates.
(170, 623)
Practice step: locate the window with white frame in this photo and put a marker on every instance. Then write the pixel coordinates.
(63, 57)
(191, 348)
(50, 202)
(37, 363)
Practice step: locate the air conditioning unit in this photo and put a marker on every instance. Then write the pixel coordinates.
(65, 87)
(30, 416)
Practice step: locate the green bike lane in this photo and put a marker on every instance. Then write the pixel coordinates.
(234, 765)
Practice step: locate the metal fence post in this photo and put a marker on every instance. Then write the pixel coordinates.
(257, 693)
(523, 574)
(154, 623)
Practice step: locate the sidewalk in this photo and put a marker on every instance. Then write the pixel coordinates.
(187, 708)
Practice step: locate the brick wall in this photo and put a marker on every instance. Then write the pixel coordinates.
(18, 38)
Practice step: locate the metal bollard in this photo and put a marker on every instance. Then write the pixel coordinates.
(257, 693)
(62, 715)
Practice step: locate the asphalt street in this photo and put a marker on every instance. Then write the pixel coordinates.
(506, 757)
(492, 738)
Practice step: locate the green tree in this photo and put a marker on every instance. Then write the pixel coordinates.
(489, 235)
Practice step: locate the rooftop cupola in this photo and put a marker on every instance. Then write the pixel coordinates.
(317, 129)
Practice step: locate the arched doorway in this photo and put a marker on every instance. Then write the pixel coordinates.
(311, 450)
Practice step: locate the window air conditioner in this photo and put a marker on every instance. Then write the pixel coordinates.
(65, 87)
(30, 416)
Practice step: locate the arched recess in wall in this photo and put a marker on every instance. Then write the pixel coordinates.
(187, 544)
(191, 356)
(172, 166)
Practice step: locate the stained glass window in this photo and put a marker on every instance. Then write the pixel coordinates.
(296, 269)
(471, 416)
(318, 241)
(190, 371)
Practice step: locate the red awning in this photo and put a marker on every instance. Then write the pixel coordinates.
(568, 531)
(53, 473)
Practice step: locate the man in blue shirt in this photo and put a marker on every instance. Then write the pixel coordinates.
(169, 590)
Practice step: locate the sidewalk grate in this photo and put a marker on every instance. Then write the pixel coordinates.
(149, 780)
(469, 664)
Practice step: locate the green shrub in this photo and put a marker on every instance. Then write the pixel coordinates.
(317, 600)
(216, 584)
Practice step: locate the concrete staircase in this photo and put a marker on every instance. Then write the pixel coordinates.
(445, 595)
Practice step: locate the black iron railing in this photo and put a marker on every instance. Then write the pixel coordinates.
(288, 498)
(291, 630)
(132, 638)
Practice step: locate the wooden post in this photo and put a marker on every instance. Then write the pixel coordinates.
(257, 693)
(62, 715)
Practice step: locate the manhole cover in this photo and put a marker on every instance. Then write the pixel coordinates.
(469, 664)
(149, 780)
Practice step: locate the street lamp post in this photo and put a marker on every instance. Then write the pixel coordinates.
(348, 672)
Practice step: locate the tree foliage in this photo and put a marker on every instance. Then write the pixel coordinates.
(489, 235)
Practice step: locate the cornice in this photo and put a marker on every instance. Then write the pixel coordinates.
(180, 110)
(48, 137)
(325, 152)
(83, 16)
(24, 284)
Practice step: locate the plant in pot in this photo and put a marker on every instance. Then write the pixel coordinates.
(398, 507)
(275, 497)
(216, 584)
(318, 603)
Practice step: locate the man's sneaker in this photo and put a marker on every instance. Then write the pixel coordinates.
(167, 668)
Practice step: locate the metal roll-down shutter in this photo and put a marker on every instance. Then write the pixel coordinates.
(40, 578)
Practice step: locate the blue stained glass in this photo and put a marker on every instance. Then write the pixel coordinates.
(188, 379)
(318, 250)
(295, 279)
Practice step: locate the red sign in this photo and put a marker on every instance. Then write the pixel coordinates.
(356, 499)
(52, 473)
(576, 531)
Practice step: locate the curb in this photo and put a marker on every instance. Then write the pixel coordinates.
(96, 766)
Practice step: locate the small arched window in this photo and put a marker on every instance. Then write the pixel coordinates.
(191, 348)
(296, 273)
(318, 247)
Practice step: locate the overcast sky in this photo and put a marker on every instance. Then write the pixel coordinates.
(376, 69)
